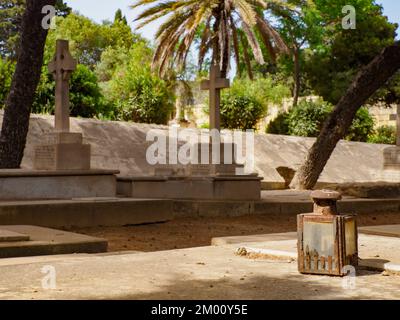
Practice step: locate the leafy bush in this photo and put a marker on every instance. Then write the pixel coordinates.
(384, 135)
(149, 103)
(307, 120)
(246, 102)
(280, 125)
(138, 94)
(240, 112)
(86, 98)
(362, 126)
(6, 73)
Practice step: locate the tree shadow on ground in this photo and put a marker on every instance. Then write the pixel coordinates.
(250, 288)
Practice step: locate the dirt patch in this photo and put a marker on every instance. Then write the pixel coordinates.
(196, 232)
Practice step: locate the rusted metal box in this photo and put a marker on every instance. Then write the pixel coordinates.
(327, 240)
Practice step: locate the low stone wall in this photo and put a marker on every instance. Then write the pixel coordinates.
(121, 146)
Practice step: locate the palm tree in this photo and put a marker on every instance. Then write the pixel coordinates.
(216, 23)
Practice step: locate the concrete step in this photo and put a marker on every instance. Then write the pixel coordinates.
(87, 212)
(91, 212)
(45, 241)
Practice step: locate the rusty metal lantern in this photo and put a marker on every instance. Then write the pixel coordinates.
(327, 240)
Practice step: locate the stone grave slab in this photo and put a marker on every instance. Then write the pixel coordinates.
(11, 236)
(385, 230)
(205, 188)
(20, 184)
(38, 241)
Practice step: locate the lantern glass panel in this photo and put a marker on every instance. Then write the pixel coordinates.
(351, 234)
(319, 237)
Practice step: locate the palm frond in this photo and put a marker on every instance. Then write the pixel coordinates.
(246, 11)
(268, 33)
(251, 37)
(235, 40)
(205, 43)
(141, 3)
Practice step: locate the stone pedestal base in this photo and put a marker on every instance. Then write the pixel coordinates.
(391, 158)
(63, 184)
(200, 180)
(391, 164)
(206, 188)
(390, 176)
(169, 170)
(62, 151)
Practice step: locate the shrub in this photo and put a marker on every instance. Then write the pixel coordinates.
(86, 98)
(240, 112)
(150, 102)
(6, 73)
(308, 117)
(383, 135)
(246, 102)
(139, 94)
(280, 125)
(362, 126)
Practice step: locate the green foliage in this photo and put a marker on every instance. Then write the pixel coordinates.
(332, 64)
(88, 40)
(86, 98)
(362, 126)
(240, 112)
(113, 79)
(246, 102)
(11, 12)
(138, 94)
(280, 125)
(119, 17)
(264, 90)
(111, 59)
(383, 135)
(6, 73)
(308, 117)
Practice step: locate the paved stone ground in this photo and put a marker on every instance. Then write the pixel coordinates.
(196, 273)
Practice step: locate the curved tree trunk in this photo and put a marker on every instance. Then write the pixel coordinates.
(25, 80)
(368, 80)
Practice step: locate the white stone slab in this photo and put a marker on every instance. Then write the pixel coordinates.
(11, 236)
(386, 230)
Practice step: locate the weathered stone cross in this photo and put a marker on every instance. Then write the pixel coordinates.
(215, 84)
(62, 67)
(397, 118)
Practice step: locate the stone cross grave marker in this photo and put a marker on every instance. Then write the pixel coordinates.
(62, 149)
(214, 85)
(396, 117)
(62, 67)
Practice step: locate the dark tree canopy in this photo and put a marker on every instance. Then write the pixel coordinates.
(11, 12)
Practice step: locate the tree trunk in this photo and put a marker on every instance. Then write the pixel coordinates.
(296, 90)
(25, 80)
(226, 53)
(216, 58)
(368, 80)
